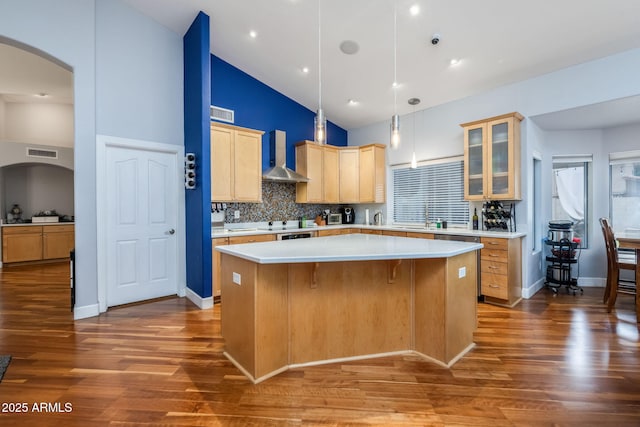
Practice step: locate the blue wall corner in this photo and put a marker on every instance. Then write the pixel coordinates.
(197, 87)
(257, 106)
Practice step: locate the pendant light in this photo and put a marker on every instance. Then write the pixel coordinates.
(320, 122)
(414, 102)
(395, 119)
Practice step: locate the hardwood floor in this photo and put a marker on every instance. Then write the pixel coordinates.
(551, 361)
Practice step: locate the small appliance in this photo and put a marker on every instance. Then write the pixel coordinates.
(334, 219)
(348, 215)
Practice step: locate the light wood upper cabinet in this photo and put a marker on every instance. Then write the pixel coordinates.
(319, 163)
(341, 174)
(372, 174)
(236, 164)
(492, 158)
(309, 162)
(330, 174)
(349, 175)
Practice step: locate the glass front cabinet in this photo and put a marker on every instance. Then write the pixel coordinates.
(492, 158)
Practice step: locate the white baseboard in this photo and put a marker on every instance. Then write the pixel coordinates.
(202, 303)
(531, 290)
(86, 311)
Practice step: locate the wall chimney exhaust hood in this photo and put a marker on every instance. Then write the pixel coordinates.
(278, 160)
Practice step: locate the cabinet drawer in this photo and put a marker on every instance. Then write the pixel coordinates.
(494, 267)
(494, 243)
(251, 239)
(369, 231)
(57, 228)
(394, 233)
(417, 235)
(332, 232)
(26, 229)
(493, 254)
(494, 285)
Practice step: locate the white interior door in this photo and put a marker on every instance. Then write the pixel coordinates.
(141, 227)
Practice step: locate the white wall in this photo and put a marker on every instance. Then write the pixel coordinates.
(2, 121)
(438, 133)
(139, 76)
(38, 188)
(39, 123)
(136, 94)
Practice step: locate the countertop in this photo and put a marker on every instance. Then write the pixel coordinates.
(259, 229)
(348, 247)
(23, 224)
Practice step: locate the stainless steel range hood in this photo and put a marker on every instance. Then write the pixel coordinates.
(278, 160)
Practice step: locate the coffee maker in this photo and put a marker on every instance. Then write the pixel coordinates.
(348, 215)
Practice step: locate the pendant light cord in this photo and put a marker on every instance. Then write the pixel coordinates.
(319, 58)
(395, 58)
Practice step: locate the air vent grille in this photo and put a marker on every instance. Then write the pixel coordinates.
(39, 152)
(222, 114)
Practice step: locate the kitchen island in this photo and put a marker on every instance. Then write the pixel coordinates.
(329, 299)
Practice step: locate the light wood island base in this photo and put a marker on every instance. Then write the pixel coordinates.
(282, 316)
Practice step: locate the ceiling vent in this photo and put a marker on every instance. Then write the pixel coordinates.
(222, 114)
(39, 152)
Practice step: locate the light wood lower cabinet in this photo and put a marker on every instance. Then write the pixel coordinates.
(501, 270)
(36, 242)
(215, 255)
(57, 241)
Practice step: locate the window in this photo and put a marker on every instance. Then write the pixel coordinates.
(624, 191)
(571, 193)
(435, 189)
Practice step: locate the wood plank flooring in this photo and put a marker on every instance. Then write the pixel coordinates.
(551, 361)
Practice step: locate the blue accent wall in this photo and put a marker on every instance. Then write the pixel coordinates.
(257, 106)
(197, 87)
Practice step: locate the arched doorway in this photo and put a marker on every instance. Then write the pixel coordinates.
(36, 136)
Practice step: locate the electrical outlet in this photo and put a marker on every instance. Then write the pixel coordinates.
(236, 214)
(462, 271)
(237, 278)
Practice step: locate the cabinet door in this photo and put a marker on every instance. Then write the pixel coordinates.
(475, 185)
(502, 159)
(309, 163)
(221, 164)
(349, 175)
(248, 166)
(216, 277)
(22, 244)
(366, 171)
(57, 241)
(330, 175)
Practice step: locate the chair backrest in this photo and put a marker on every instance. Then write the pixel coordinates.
(610, 244)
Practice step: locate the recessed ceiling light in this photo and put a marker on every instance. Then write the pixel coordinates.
(253, 34)
(353, 102)
(349, 47)
(305, 70)
(394, 85)
(414, 10)
(455, 61)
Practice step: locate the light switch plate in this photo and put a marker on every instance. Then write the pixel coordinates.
(236, 214)
(237, 279)
(462, 271)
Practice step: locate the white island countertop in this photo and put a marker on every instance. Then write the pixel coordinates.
(349, 247)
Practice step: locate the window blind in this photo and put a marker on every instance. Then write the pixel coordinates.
(437, 189)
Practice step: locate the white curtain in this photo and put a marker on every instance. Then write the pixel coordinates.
(570, 184)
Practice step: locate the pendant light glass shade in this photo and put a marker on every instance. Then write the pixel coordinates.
(320, 127)
(395, 131)
(414, 102)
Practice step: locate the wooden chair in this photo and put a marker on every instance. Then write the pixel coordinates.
(615, 263)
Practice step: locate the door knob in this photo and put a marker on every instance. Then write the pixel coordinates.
(172, 231)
